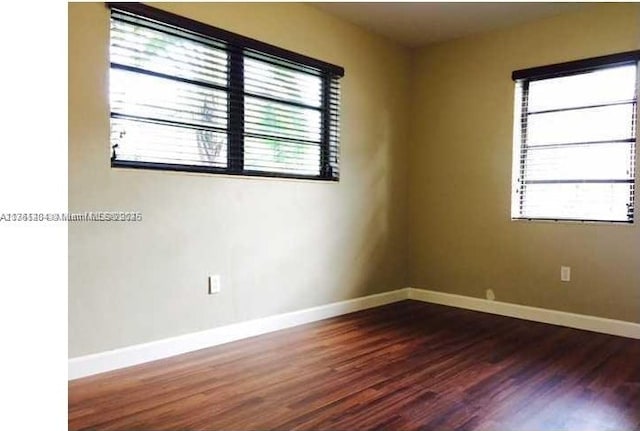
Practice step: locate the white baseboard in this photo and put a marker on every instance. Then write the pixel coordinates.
(125, 357)
(554, 317)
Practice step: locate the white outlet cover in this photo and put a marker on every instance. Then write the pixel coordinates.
(565, 273)
(214, 284)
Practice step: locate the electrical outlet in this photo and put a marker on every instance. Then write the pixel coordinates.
(565, 273)
(214, 284)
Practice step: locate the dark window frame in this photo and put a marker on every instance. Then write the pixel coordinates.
(240, 47)
(577, 67)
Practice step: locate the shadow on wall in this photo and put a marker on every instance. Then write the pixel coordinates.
(343, 248)
(367, 242)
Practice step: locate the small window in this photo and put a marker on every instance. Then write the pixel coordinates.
(187, 96)
(575, 139)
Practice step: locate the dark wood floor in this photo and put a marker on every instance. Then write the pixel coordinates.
(405, 366)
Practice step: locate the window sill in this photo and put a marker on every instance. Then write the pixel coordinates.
(572, 221)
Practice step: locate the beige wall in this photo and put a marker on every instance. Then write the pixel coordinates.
(461, 237)
(283, 245)
(279, 245)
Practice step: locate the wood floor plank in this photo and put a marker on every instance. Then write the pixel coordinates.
(405, 366)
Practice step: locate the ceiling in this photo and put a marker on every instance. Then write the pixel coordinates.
(421, 23)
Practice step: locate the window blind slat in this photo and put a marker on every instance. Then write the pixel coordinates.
(578, 201)
(579, 162)
(281, 156)
(595, 124)
(281, 83)
(147, 96)
(162, 143)
(161, 52)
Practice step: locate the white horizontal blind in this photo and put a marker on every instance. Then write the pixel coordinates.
(576, 146)
(182, 99)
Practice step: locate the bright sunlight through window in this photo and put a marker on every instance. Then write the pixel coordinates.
(187, 96)
(574, 145)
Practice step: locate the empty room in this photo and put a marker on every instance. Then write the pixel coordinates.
(353, 216)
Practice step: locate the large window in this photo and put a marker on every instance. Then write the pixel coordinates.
(188, 96)
(575, 139)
